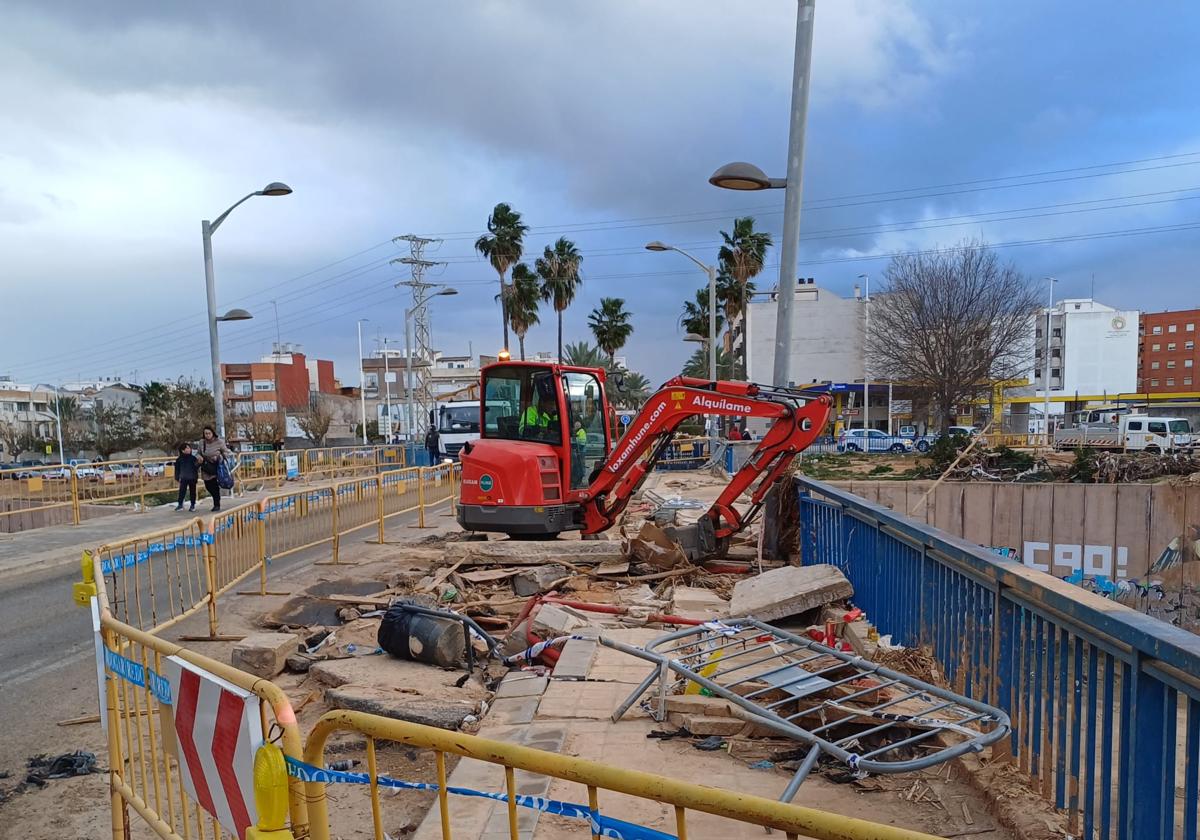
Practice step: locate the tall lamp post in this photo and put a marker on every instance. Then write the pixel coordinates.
(207, 229)
(362, 391)
(711, 272)
(418, 302)
(1050, 281)
(746, 176)
(866, 278)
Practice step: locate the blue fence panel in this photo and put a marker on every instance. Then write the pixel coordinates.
(1104, 701)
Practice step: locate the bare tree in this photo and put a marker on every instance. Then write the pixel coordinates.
(11, 435)
(950, 322)
(315, 420)
(269, 427)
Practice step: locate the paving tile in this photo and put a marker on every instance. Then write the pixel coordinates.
(521, 684)
(575, 659)
(511, 711)
(589, 700)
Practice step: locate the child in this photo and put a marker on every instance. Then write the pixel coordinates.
(186, 475)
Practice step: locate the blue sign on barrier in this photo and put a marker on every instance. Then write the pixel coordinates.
(601, 825)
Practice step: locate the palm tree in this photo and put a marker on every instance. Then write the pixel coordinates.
(694, 318)
(744, 252)
(582, 354)
(634, 390)
(697, 364)
(732, 299)
(610, 324)
(523, 297)
(558, 266)
(502, 246)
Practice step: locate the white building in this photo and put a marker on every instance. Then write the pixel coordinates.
(1093, 352)
(827, 336)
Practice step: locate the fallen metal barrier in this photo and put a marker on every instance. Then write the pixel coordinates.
(721, 656)
(679, 796)
(1104, 701)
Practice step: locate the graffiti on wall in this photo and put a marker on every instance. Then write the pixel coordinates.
(1066, 559)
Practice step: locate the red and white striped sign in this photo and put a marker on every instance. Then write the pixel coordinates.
(218, 729)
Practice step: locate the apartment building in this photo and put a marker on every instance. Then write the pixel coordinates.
(1167, 354)
(261, 394)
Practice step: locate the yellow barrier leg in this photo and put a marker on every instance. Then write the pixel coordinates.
(74, 497)
(373, 772)
(510, 786)
(443, 795)
(379, 504)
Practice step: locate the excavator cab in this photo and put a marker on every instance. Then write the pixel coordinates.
(544, 433)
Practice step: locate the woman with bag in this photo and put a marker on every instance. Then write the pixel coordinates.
(212, 457)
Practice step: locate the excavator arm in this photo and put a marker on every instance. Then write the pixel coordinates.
(797, 423)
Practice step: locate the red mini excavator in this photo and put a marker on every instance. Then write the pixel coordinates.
(547, 461)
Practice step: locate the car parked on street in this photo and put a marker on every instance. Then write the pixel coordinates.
(872, 440)
(921, 443)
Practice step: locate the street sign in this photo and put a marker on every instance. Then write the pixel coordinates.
(291, 464)
(902, 407)
(626, 419)
(217, 729)
(49, 449)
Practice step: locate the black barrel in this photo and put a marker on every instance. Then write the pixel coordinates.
(422, 638)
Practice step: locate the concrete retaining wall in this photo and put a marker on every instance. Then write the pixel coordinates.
(1116, 530)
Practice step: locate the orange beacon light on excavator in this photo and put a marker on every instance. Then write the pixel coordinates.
(546, 460)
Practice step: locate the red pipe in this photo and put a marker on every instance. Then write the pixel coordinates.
(616, 609)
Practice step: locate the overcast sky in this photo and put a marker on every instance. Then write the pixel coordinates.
(1066, 132)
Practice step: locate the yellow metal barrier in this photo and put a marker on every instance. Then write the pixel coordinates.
(679, 796)
(157, 580)
(32, 490)
(143, 751)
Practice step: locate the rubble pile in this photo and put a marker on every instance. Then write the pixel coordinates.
(1114, 467)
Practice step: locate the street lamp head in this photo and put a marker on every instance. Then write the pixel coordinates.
(275, 188)
(740, 176)
(696, 337)
(449, 290)
(658, 246)
(235, 315)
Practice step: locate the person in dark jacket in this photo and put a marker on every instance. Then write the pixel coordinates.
(186, 473)
(212, 452)
(432, 446)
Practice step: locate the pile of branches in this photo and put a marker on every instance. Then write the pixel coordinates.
(1112, 467)
(1000, 464)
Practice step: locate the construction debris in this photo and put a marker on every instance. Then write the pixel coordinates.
(1114, 467)
(264, 654)
(654, 548)
(444, 714)
(524, 553)
(538, 579)
(788, 591)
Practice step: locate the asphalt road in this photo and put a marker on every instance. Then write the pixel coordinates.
(47, 661)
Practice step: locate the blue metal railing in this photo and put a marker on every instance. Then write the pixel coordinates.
(1104, 701)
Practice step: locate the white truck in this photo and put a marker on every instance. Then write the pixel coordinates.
(1131, 433)
(458, 422)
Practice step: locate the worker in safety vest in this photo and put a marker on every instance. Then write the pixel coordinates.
(540, 419)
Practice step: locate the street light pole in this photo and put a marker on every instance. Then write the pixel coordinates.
(790, 248)
(747, 176)
(866, 278)
(711, 272)
(362, 390)
(387, 391)
(1046, 366)
(207, 229)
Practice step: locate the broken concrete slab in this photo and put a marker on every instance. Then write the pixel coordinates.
(575, 659)
(553, 620)
(404, 678)
(537, 580)
(699, 704)
(444, 714)
(654, 547)
(521, 684)
(705, 725)
(698, 602)
(264, 654)
(787, 591)
(525, 553)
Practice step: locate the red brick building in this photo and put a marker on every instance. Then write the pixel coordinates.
(1168, 358)
(259, 395)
